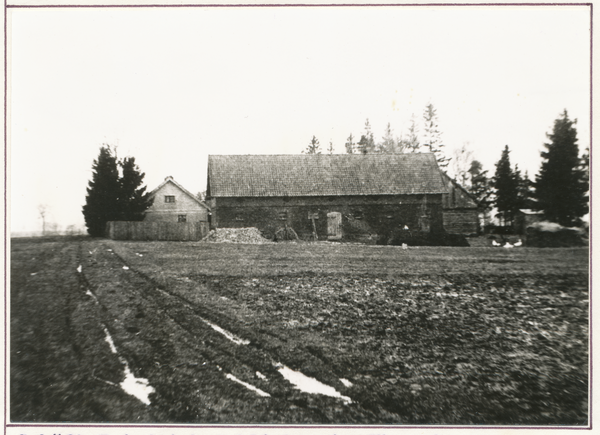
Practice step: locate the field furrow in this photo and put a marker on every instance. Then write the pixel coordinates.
(232, 333)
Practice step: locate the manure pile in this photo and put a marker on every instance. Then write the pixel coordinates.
(236, 235)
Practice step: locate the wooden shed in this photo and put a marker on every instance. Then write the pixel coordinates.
(335, 197)
(461, 211)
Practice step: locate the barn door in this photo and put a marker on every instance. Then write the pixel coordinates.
(334, 225)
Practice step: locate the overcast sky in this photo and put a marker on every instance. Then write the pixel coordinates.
(170, 86)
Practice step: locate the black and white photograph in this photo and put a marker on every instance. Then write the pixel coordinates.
(269, 218)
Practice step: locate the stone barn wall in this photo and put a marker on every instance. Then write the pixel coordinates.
(364, 218)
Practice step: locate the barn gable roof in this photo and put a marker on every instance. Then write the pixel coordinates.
(170, 179)
(458, 196)
(323, 175)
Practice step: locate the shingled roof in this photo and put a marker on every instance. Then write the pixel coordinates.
(323, 175)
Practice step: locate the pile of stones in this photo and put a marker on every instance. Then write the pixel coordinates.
(236, 235)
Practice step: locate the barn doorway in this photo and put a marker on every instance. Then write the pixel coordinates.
(334, 225)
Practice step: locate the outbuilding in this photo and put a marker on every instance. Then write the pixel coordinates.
(461, 210)
(327, 197)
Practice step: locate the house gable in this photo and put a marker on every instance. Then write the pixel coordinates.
(174, 203)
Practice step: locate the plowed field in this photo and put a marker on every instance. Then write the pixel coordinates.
(110, 331)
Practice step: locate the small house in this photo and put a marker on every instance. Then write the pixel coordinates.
(327, 197)
(173, 203)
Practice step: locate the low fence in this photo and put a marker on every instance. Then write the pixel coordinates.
(174, 231)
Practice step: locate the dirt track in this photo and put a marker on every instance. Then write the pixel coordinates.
(63, 369)
(192, 336)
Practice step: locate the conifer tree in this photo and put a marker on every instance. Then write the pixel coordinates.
(412, 143)
(433, 141)
(313, 147)
(102, 200)
(505, 186)
(561, 185)
(133, 199)
(388, 144)
(330, 148)
(367, 141)
(363, 145)
(111, 197)
(350, 145)
(524, 190)
(480, 186)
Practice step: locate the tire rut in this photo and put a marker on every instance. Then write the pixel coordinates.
(224, 357)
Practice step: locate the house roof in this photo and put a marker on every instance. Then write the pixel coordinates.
(170, 179)
(323, 175)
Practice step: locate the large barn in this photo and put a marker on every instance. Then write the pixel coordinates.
(330, 197)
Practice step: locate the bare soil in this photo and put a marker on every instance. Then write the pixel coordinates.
(482, 336)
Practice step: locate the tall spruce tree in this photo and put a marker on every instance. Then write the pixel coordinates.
(111, 197)
(480, 187)
(388, 144)
(561, 186)
(412, 144)
(133, 199)
(433, 136)
(102, 200)
(525, 193)
(366, 144)
(505, 185)
(313, 147)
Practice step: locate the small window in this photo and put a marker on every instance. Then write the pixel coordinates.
(182, 218)
(283, 215)
(169, 198)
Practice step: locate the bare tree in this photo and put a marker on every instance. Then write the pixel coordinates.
(461, 164)
(43, 211)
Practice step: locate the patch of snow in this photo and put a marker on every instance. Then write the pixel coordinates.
(137, 387)
(227, 334)
(309, 385)
(125, 268)
(34, 273)
(250, 387)
(110, 341)
(261, 376)
(346, 382)
(89, 293)
(79, 269)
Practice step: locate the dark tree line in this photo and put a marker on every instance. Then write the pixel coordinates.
(115, 192)
(563, 181)
(561, 187)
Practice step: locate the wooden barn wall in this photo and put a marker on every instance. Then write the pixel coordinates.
(173, 231)
(363, 218)
(461, 221)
